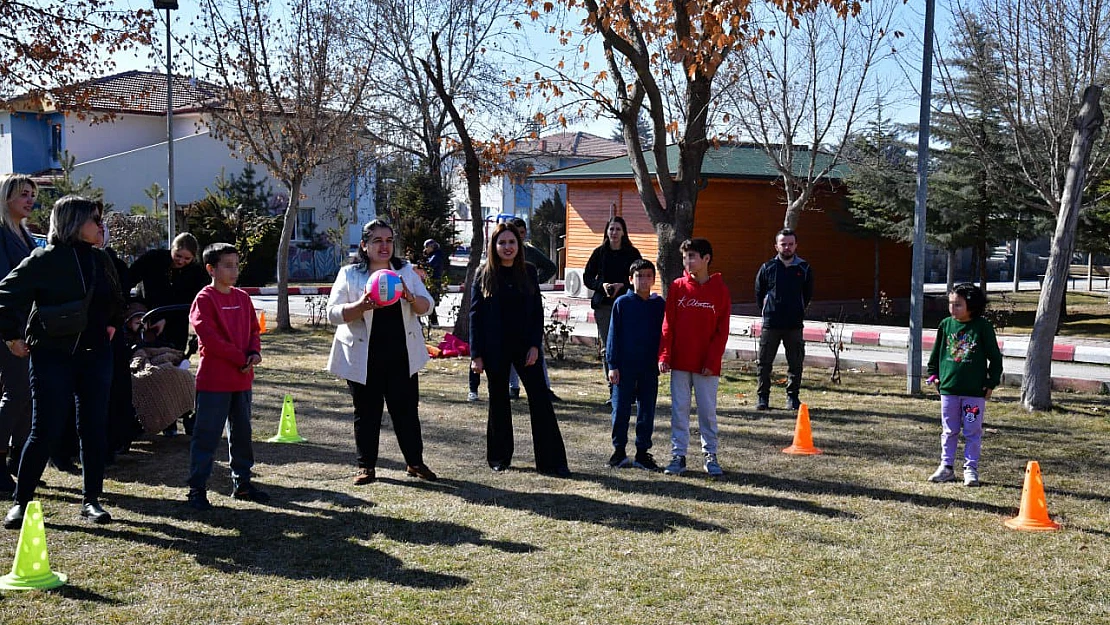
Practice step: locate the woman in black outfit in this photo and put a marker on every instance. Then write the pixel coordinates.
(506, 330)
(168, 277)
(606, 274)
(67, 360)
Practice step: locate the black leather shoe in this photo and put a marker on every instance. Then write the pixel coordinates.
(14, 519)
(92, 511)
(561, 472)
(499, 467)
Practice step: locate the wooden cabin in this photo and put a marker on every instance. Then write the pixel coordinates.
(739, 211)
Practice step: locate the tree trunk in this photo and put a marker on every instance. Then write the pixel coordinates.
(472, 169)
(1036, 387)
(290, 222)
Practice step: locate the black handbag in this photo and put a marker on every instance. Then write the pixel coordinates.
(71, 317)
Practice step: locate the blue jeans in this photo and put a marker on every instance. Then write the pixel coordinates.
(214, 409)
(642, 386)
(57, 378)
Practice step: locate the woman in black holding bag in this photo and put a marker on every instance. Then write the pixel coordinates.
(506, 330)
(67, 298)
(606, 274)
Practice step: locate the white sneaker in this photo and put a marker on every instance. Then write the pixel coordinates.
(472, 396)
(677, 466)
(712, 467)
(943, 473)
(971, 477)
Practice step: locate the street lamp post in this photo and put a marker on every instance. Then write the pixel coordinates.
(169, 5)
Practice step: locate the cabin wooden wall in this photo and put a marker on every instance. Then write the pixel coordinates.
(740, 219)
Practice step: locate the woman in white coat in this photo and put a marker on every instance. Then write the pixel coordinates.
(378, 350)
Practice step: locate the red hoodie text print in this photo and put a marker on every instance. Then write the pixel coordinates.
(689, 302)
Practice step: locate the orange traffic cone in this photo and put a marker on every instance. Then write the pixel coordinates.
(262, 322)
(1033, 515)
(803, 437)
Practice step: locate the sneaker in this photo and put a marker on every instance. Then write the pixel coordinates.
(197, 499)
(944, 473)
(971, 477)
(364, 476)
(764, 403)
(792, 402)
(645, 461)
(514, 393)
(712, 467)
(14, 518)
(249, 492)
(472, 396)
(620, 460)
(677, 466)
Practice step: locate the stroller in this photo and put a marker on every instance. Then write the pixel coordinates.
(163, 389)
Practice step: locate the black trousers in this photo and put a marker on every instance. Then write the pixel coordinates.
(794, 345)
(400, 393)
(547, 440)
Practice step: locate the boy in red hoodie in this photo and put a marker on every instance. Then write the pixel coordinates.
(695, 329)
(224, 321)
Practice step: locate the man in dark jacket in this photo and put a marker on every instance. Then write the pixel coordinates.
(545, 269)
(783, 288)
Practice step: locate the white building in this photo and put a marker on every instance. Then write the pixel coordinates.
(125, 154)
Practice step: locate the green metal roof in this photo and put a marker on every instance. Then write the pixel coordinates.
(728, 161)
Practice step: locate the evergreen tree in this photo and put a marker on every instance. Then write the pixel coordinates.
(976, 196)
(549, 222)
(420, 209)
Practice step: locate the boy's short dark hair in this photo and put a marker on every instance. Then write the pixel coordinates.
(974, 296)
(639, 265)
(787, 232)
(213, 253)
(697, 244)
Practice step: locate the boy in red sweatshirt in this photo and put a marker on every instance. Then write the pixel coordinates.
(695, 329)
(224, 321)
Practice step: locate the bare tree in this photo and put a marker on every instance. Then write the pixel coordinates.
(809, 83)
(1046, 55)
(56, 45)
(652, 50)
(292, 83)
(403, 112)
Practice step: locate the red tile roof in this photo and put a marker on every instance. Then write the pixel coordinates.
(581, 144)
(139, 92)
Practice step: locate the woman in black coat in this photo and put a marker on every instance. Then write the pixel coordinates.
(67, 359)
(606, 274)
(506, 330)
(16, 244)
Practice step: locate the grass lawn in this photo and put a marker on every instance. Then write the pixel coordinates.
(855, 535)
(1088, 314)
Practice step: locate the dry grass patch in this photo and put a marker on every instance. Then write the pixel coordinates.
(855, 535)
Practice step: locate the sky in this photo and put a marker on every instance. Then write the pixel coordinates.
(904, 75)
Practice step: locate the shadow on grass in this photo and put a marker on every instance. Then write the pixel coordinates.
(570, 507)
(294, 540)
(845, 489)
(686, 488)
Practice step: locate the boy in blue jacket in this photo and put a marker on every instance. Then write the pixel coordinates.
(630, 351)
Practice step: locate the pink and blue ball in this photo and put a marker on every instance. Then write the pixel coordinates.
(384, 287)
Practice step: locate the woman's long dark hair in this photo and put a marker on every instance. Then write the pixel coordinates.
(626, 243)
(488, 277)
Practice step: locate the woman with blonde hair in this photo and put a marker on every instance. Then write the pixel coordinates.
(16, 243)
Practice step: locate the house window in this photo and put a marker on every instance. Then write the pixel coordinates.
(306, 224)
(56, 141)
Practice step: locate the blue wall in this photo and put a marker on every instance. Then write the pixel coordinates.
(32, 141)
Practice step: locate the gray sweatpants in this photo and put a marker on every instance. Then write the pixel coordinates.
(704, 389)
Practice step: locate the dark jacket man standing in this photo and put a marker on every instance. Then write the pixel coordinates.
(783, 289)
